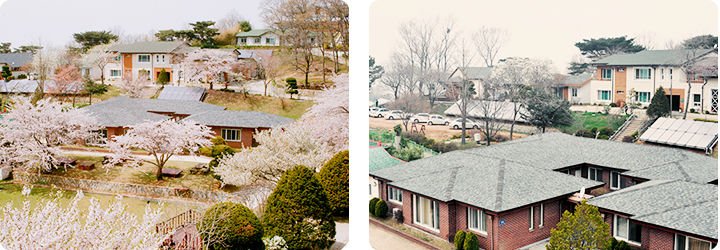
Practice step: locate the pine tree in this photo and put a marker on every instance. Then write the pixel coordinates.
(659, 106)
(298, 211)
(584, 229)
(291, 86)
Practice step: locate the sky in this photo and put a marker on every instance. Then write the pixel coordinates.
(54, 22)
(547, 29)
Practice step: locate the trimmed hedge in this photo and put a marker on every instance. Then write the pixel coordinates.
(236, 223)
(335, 178)
(459, 240)
(471, 241)
(381, 209)
(373, 202)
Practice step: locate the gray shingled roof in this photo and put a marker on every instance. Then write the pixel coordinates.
(148, 47)
(16, 60)
(123, 111)
(253, 33)
(676, 204)
(651, 57)
(505, 110)
(554, 151)
(241, 119)
(29, 86)
(478, 72)
(489, 183)
(575, 79)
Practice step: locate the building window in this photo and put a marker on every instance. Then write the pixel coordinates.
(683, 242)
(595, 174)
(670, 71)
(614, 180)
(642, 96)
(662, 74)
(257, 40)
(541, 220)
(143, 58)
(115, 72)
(117, 58)
(696, 100)
(604, 95)
(574, 92)
(426, 212)
(270, 40)
(642, 73)
(476, 220)
(243, 40)
(627, 230)
(531, 217)
(230, 134)
(606, 74)
(103, 135)
(394, 195)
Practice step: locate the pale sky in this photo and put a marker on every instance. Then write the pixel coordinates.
(24, 21)
(547, 29)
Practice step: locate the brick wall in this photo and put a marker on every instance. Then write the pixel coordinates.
(461, 224)
(516, 233)
(653, 238)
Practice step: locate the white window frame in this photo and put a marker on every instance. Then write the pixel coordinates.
(574, 92)
(647, 98)
(140, 58)
(257, 40)
(609, 95)
(477, 217)
(541, 220)
(224, 135)
(614, 175)
(603, 72)
(615, 230)
(434, 223)
(696, 103)
(639, 70)
(687, 242)
(269, 40)
(595, 173)
(532, 217)
(394, 195)
(119, 72)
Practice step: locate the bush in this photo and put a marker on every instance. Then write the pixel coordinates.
(707, 112)
(335, 178)
(397, 129)
(22, 76)
(499, 138)
(704, 120)
(230, 90)
(634, 134)
(692, 111)
(459, 239)
(406, 153)
(164, 77)
(310, 224)
(599, 191)
(604, 137)
(628, 138)
(444, 147)
(608, 131)
(291, 86)
(373, 202)
(236, 223)
(218, 152)
(381, 209)
(471, 242)
(614, 244)
(612, 105)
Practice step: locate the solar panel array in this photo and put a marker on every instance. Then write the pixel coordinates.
(182, 93)
(683, 133)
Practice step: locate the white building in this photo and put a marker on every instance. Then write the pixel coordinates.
(258, 38)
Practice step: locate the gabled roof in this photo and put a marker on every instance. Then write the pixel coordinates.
(15, 60)
(675, 204)
(653, 57)
(575, 80)
(123, 111)
(253, 33)
(505, 109)
(29, 86)
(252, 53)
(239, 119)
(490, 183)
(152, 47)
(472, 73)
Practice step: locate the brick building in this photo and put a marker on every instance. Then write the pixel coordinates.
(512, 194)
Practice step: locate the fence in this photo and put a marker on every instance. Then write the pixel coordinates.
(190, 216)
(121, 188)
(185, 234)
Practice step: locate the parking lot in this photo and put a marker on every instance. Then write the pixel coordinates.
(442, 132)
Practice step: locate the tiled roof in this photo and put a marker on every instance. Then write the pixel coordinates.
(240, 119)
(15, 60)
(652, 57)
(151, 47)
(123, 111)
(253, 33)
(675, 204)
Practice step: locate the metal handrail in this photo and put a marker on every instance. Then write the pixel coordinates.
(622, 128)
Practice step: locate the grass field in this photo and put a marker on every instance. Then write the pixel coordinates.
(12, 193)
(237, 101)
(597, 120)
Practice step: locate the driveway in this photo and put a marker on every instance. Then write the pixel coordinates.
(381, 239)
(342, 235)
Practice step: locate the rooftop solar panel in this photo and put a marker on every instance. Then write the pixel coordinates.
(685, 133)
(648, 134)
(674, 125)
(181, 93)
(694, 127)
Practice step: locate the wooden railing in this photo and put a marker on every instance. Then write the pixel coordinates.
(190, 216)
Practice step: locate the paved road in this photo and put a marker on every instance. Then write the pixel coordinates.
(190, 158)
(381, 239)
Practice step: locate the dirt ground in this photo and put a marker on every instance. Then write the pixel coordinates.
(441, 132)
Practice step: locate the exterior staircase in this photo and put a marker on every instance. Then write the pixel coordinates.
(628, 129)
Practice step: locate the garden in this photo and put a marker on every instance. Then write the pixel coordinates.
(588, 124)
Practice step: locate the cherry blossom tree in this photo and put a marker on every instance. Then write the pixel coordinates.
(98, 56)
(161, 139)
(207, 65)
(133, 88)
(32, 134)
(67, 81)
(270, 65)
(310, 141)
(51, 226)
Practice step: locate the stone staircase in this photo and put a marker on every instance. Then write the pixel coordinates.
(629, 129)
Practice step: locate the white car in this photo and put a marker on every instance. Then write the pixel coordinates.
(378, 113)
(420, 117)
(437, 120)
(457, 124)
(394, 114)
(373, 109)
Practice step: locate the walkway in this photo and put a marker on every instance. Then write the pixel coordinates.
(188, 158)
(342, 235)
(382, 239)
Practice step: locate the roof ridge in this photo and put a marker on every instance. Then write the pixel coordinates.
(500, 184)
(677, 207)
(451, 183)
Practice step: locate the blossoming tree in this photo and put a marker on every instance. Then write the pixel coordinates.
(133, 88)
(32, 134)
(310, 141)
(51, 226)
(207, 65)
(161, 139)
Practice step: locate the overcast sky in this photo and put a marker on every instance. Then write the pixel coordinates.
(547, 29)
(24, 21)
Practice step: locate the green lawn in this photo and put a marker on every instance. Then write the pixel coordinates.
(597, 120)
(237, 101)
(12, 192)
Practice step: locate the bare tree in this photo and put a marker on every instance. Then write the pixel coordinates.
(489, 41)
(44, 63)
(694, 65)
(435, 81)
(647, 39)
(409, 103)
(295, 21)
(400, 77)
(229, 21)
(271, 67)
(465, 59)
(417, 44)
(444, 47)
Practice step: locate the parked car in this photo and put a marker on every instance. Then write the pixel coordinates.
(394, 114)
(437, 120)
(373, 109)
(420, 117)
(457, 124)
(378, 113)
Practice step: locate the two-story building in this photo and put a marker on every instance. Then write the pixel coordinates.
(148, 58)
(476, 75)
(636, 77)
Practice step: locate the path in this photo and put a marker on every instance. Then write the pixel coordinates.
(189, 158)
(382, 239)
(342, 235)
